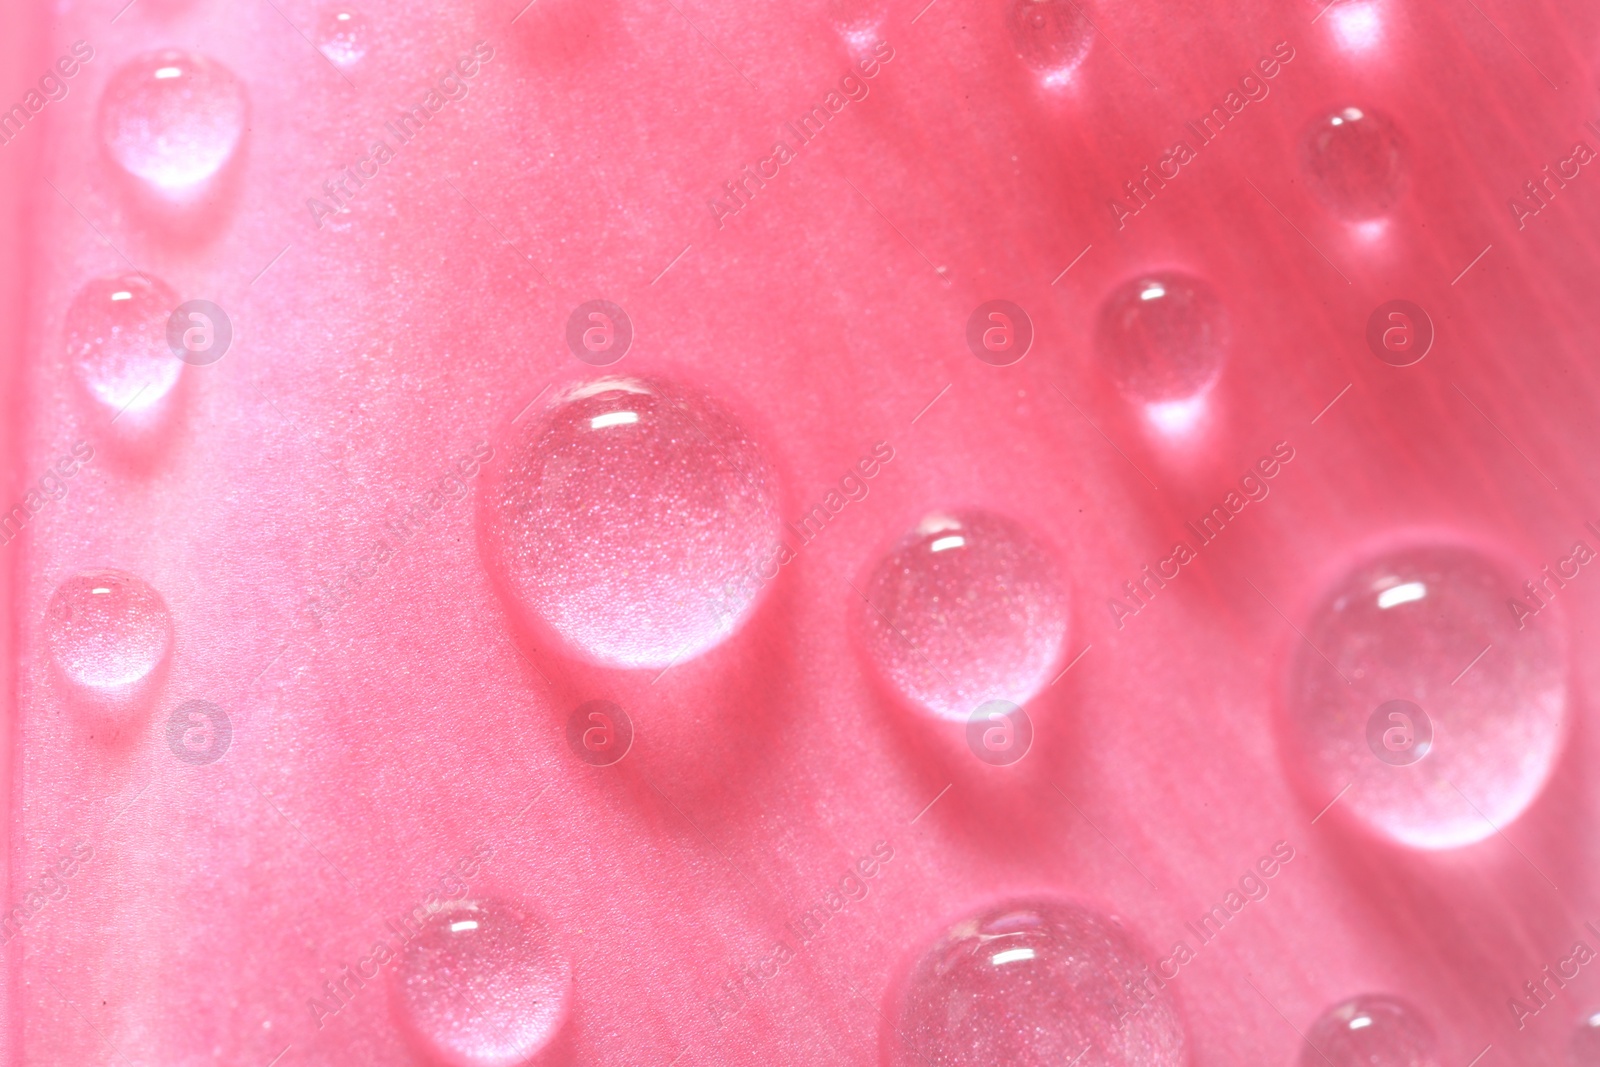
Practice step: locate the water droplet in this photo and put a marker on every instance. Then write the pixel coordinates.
(1370, 1031)
(108, 634)
(635, 521)
(116, 332)
(1035, 983)
(967, 608)
(483, 985)
(173, 121)
(1163, 338)
(342, 36)
(1051, 36)
(1429, 625)
(1355, 161)
(859, 23)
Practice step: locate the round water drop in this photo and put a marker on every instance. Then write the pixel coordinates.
(966, 609)
(342, 36)
(858, 22)
(1051, 36)
(1429, 626)
(1034, 983)
(172, 121)
(483, 985)
(109, 635)
(116, 334)
(1355, 161)
(1370, 1031)
(1163, 337)
(1583, 1049)
(636, 520)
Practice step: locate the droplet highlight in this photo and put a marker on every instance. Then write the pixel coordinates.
(342, 36)
(1051, 36)
(1370, 1031)
(116, 340)
(173, 121)
(483, 985)
(109, 634)
(1033, 983)
(859, 23)
(1163, 338)
(636, 520)
(1428, 626)
(1583, 1048)
(1355, 162)
(968, 608)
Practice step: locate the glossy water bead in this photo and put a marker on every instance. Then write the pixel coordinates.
(1370, 1031)
(342, 36)
(1033, 983)
(636, 521)
(173, 121)
(1355, 162)
(1163, 337)
(483, 985)
(968, 608)
(109, 634)
(116, 341)
(1429, 625)
(1050, 36)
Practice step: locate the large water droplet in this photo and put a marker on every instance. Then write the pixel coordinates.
(1035, 983)
(634, 520)
(1051, 36)
(1355, 162)
(483, 985)
(967, 608)
(1429, 624)
(1163, 337)
(1370, 1031)
(342, 36)
(109, 634)
(116, 333)
(173, 121)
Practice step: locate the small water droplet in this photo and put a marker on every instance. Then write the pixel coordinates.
(1370, 1031)
(342, 36)
(1428, 625)
(859, 23)
(967, 608)
(1355, 161)
(172, 121)
(1163, 338)
(108, 634)
(1051, 36)
(1034, 983)
(635, 521)
(483, 985)
(116, 333)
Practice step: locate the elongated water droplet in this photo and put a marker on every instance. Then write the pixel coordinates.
(1370, 1031)
(1034, 983)
(635, 522)
(109, 635)
(342, 36)
(1430, 627)
(483, 985)
(966, 609)
(116, 334)
(1355, 162)
(1051, 36)
(1163, 338)
(173, 121)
